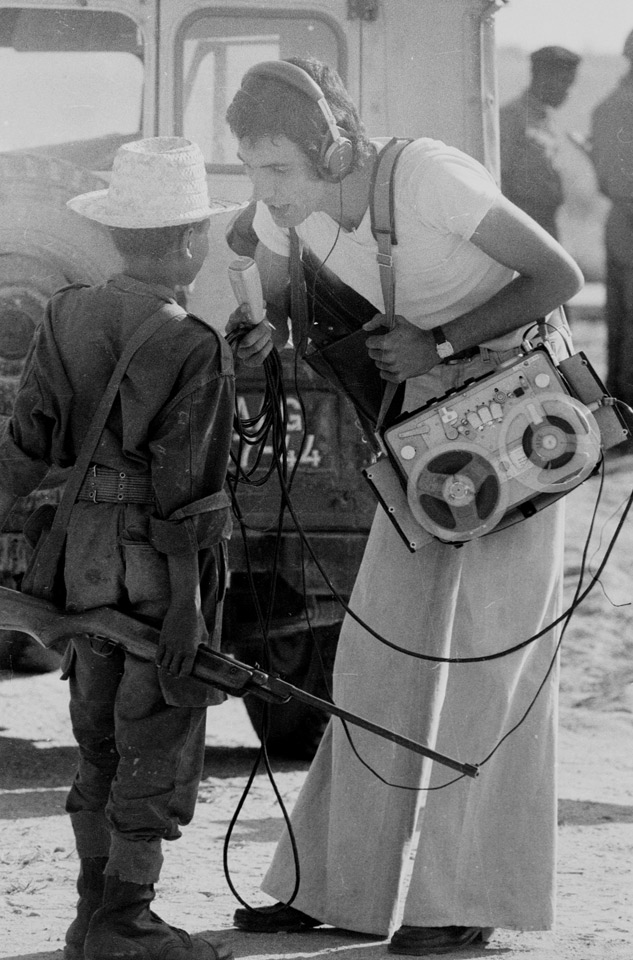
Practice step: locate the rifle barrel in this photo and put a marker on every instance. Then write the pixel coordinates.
(50, 626)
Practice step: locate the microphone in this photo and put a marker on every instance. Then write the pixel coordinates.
(247, 287)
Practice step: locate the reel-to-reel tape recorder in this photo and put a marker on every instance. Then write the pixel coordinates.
(497, 449)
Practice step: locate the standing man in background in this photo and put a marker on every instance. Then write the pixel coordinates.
(529, 142)
(612, 156)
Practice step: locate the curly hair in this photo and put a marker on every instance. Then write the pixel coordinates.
(265, 107)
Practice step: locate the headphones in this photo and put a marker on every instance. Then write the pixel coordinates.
(336, 155)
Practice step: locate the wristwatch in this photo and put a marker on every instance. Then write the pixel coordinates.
(443, 346)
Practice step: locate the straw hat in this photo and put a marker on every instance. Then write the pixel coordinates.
(158, 182)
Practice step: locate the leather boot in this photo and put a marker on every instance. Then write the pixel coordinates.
(90, 886)
(125, 928)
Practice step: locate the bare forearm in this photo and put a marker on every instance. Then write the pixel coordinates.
(546, 277)
(522, 301)
(184, 581)
(183, 627)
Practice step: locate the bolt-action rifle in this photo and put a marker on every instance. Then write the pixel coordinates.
(52, 627)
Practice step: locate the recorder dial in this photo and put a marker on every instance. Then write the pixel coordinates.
(456, 493)
(550, 443)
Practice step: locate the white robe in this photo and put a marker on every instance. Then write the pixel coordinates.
(486, 853)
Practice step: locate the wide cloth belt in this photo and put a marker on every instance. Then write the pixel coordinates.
(107, 485)
(471, 353)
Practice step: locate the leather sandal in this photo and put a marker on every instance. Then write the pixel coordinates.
(420, 941)
(278, 918)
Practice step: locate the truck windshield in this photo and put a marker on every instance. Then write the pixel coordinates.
(72, 83)
(214, 52)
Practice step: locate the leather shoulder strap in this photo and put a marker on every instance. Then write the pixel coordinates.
(382, 211)
(383, 227)
(225, 354)
(298, 298)
(168, 311)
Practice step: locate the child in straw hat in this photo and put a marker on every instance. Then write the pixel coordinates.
(141, 536)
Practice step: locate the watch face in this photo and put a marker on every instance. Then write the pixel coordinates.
(443, 347)
(444, 350)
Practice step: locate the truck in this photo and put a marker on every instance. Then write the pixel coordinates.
(78, 78)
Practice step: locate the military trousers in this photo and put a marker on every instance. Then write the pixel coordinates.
(140, 760)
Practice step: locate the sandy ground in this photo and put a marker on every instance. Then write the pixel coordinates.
(595, 865)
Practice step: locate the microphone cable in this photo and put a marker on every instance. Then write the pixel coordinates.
(266, 430)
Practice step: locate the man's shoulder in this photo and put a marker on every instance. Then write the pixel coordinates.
(513, 109)
(525, 113)
(428, 150)
(412, 145)
(514, 104)
(426, 160)
(79, 296)
(620, 99)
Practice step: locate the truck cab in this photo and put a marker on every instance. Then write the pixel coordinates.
(81, 77)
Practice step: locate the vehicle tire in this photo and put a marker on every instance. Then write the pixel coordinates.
(43, 246)
(20, 654)
(293, 730)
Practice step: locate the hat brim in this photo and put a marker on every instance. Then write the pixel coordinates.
(94, 206)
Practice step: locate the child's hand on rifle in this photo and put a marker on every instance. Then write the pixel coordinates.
(183, 628)
(181, 634)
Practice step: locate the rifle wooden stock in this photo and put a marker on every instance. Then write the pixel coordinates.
(51, 627)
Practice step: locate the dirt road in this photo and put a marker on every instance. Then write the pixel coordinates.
(38, 864)
(595, 865)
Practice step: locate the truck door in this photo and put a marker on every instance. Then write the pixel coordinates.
(204, 51)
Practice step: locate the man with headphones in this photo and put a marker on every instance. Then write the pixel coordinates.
(473, 274)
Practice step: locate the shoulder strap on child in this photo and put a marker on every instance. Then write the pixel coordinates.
(42, 573)
(225, 354)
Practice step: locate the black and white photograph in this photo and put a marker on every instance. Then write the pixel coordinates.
(316, 477)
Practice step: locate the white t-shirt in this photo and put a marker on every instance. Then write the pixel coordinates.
(441, 196)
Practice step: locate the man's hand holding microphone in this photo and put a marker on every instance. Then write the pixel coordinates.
(248, 331)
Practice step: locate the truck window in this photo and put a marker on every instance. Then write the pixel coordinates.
(214, 51)
(72, 83)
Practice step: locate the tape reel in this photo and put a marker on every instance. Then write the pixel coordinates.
(550, 443)
(456, 492)
(500, 448)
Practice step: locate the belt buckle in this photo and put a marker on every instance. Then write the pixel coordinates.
(92, 495)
